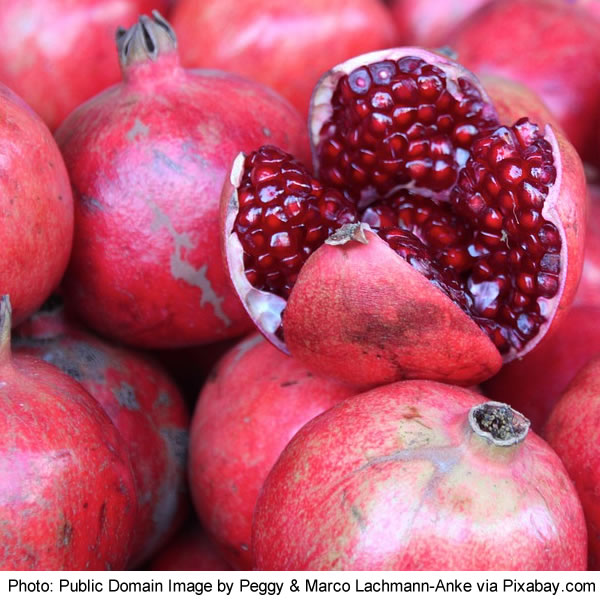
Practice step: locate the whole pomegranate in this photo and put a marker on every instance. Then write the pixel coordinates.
(432, 242)
(551, 46)
(36, 205)
(534, 384)
(57, 53)
(67, 494)
(285, 45)
(147, 159)
(190, 550)
(428, 22)
(144, 405)
(588, 292)
(418, 475)
(572, 430)
(247, 412)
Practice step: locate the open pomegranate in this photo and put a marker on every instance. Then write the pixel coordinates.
(147, 159)
(67, 494)
(572, 430)
(418, 475)
(254, 402)
(143, 404)
(437, 237)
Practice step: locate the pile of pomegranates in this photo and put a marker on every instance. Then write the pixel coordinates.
(303, 286)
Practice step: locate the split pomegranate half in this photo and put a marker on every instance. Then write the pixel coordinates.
(435, 240)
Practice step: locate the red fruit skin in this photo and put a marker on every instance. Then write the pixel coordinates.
(36, 205)
(285, 45)
(534, 384)
(67, 497)
(362, 314)
(588, 292)
(190, 550)
(147, 159)
(572, 430)
(57, 53)
(143, 404)
(395, 479)
(549, 45)
(428, 22)
(252, 405)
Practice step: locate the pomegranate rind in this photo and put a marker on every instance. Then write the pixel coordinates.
(264, 308)
(360, 313)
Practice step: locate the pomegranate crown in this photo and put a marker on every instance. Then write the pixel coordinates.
(147, 39)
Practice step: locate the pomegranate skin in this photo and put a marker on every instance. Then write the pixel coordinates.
(572, 430)
(190, 550)
(428, 22)
(36, 206)
(362, 314)
(50, 48)
(147, 160)
(588, 292)
(284, 45)
(252, 405)
(68, 499)
(398, 479)
(143, 404)
(534, 384)
(549, 45)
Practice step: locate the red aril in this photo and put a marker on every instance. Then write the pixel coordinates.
(285, 45)
(252, 405)
(36, 207)
(143, 404)
(549, 45)
(428, 22)
(147, 159)
(67, 493)
(408, 143)
(57, 53)
(572, 430)
(418, 475)
(190, 550)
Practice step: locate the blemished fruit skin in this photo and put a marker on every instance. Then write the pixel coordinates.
(573, 430)
(36, 205)
(251, 406)
(190, 550)
(147, 159)
(398, 479)
(58, 53)
(285, 45)
(550, 46)
(143, 404)
(68, 498)
(534, 384)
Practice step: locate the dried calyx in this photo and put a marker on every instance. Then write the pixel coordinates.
(498, 423)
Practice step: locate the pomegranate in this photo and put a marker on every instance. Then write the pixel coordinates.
(36, 207)
(147, 159)
(190, 550)
(67, 494)
(247, 412)
(417, 183)
(50, 48)
(572, 430)
(144, 405)
(588, 292)
(428, 22)
(534, 384)
(551, 46)
(285, 45)
(418, 475)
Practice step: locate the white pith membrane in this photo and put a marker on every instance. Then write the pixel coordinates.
(265, 308)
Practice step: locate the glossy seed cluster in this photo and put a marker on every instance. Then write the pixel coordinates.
(285, 214)
(396, 123)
